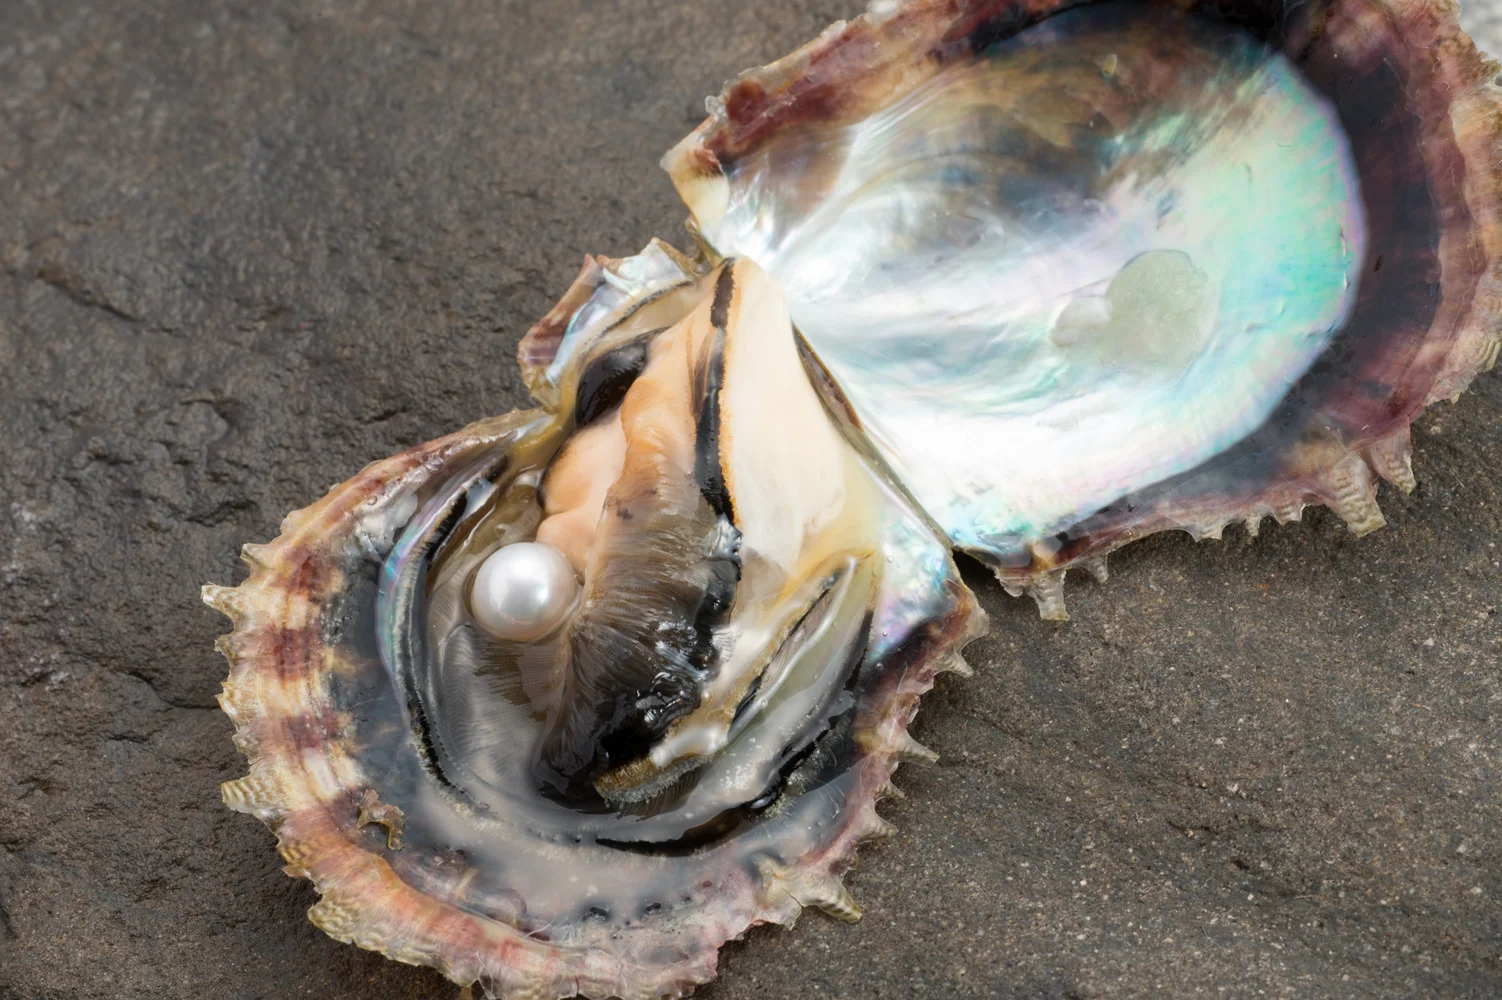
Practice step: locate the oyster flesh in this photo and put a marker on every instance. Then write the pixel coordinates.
(562, 702)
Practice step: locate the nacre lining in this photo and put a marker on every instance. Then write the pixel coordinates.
(1039, 288)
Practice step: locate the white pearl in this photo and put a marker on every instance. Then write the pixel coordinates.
(523, 591)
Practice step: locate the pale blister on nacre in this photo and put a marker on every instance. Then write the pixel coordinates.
(1148, 266)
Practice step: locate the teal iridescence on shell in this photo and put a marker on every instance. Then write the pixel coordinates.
(1068, 270)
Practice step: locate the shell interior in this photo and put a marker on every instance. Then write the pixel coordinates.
(1088, 260)
(1087, 273)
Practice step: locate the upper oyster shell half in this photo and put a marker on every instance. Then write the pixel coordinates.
(1018, 279)
(1086, 274)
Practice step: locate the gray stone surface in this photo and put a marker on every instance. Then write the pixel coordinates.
(247, 246)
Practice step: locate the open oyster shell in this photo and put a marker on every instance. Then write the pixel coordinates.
(1021, 280)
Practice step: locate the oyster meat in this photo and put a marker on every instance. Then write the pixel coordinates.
(562, 702)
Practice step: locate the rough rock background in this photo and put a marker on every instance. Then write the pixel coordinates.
(247, 246)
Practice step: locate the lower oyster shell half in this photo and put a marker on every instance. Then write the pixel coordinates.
(562, 702)
(696, 749)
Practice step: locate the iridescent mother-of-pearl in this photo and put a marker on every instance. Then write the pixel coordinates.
(1041, 291)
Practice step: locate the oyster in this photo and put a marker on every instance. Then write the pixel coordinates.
(565, 700)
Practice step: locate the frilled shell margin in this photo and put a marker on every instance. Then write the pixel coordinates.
(1347, 443)
(288, 654)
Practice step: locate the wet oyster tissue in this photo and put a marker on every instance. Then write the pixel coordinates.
(562, 702)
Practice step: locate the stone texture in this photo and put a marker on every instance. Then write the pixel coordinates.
(247, 246)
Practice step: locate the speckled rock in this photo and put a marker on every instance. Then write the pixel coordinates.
(246, 247)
